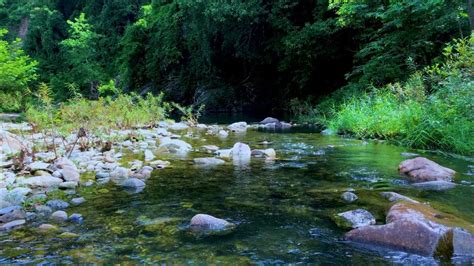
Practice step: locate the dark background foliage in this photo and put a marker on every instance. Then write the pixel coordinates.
(233, 55)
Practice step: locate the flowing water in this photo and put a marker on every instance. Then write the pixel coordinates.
(283, 208)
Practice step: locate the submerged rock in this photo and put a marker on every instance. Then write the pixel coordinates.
(208, 222)
(349, 197)
(175, 145)
(393, 196)
(133, 183)
(354, 219)
(421, 169)
(211, 161)
(435, 185)
(267, 153)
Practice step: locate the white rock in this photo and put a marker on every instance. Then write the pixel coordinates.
(241, 152)
(223, 134)
(149, 156)
(238, 127)
(43, 181)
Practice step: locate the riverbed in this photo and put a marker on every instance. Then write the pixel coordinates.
(283, 208)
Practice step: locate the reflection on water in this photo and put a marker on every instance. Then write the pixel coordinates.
(282, 208)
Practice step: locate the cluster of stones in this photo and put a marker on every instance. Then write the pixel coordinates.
(412, 226)
(44, 172)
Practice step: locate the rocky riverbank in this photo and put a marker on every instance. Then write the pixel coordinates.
(33, 172)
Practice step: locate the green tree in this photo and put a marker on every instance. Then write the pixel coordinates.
(80, 54)
(17, 71)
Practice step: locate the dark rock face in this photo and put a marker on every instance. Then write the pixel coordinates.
(421, 169)
(417, 228)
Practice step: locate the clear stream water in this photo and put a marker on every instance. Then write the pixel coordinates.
(283, 208)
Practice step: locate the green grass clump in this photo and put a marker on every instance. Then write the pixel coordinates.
(98, 116)
(433, 109)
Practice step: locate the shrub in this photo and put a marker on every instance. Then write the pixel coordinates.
(433, 109)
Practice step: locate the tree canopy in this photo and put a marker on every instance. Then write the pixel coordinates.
(231, 55)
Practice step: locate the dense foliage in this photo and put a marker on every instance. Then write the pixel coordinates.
(17, 70)
(230, 54)
(433, 109)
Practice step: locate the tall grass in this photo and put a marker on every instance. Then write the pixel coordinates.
(434, 109)
(123, 111)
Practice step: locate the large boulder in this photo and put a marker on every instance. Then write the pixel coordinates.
(208, 222)
(417, 228)
(421, 169)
